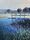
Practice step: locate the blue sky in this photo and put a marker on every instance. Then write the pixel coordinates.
(14, 4)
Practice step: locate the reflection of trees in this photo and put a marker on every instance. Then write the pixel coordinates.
(23, 23)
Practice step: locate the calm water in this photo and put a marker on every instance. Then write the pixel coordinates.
(5, 24)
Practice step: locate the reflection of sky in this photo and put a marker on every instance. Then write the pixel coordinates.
(14, 3)
(5, 25)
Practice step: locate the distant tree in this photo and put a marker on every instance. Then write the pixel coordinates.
(29, 9)
(25, 9)
(18, 10)
(8, 10)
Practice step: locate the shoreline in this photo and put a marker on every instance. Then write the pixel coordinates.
(14, 15)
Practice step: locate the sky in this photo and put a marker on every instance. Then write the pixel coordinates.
(14, 4)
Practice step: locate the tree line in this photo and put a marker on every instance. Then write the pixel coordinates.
(26, 9)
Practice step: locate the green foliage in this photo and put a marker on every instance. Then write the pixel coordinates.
(19, 35)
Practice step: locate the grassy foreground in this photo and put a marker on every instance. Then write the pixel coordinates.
(19, 35)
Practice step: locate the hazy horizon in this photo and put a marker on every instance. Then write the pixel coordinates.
(14, 4)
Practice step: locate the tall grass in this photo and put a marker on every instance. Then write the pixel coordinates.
(19, 35)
